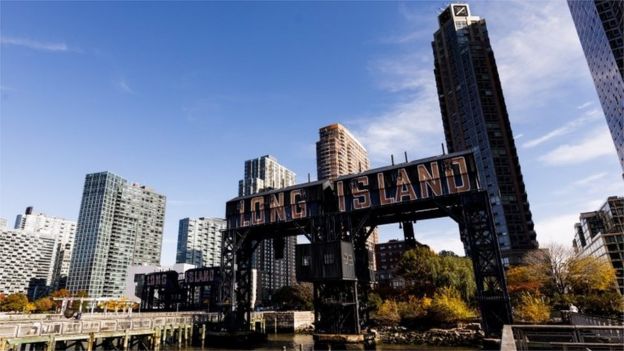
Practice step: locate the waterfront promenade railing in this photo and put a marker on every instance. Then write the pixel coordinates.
(562, 337)
(98, 324)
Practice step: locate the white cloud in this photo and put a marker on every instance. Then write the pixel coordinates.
(595, 144)
(122, 86)
(590, 179)
(569, 127)
(412, 123)
(585, 105)
(559, 229)
(537, 53)
(35, 45)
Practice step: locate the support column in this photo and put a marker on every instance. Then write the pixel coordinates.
(90, 342)
(203, 335)
(156, 340)
(179, 336)
(51, 344)
(125, 341)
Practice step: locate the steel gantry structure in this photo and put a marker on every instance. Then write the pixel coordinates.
(338, 216)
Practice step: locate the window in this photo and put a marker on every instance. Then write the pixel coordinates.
(328, 258)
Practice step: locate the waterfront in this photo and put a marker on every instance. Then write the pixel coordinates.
(292, 342)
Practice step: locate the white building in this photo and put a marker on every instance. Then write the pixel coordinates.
(199, 241)
(63, 230)
(120, 224)
(26, 259)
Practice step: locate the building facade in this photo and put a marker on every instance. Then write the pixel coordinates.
(199, 241)
(26, 261)
(601, 234)
(62, 229)
(475, 117)
(273, 260)
(339, 153)
(600, 27)
(388, 255)
(120, 224)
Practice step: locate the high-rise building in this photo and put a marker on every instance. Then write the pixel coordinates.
(62, 229)
(274, 262)
(475, 117)
(26, 261)
(3, 223)
(600, 27)
(199, 241)
(120, 224)
(601, 234)
(339, 153)
(263, 174)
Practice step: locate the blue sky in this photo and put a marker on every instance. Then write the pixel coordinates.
(177, 95)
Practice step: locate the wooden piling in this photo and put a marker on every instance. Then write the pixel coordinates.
(203, 334)
(156, 340)
(90, 342)
(125, 341)
(51, 345)
(180, 336)
(3, 344)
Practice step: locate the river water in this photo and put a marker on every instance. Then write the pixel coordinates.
(292, 342)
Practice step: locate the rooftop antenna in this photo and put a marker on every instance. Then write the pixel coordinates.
(405, 153)
(392, 159)
(443, 151)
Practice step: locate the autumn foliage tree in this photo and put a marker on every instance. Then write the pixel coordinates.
(559, 277)
(532, 309)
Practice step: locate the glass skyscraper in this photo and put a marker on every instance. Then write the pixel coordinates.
(600, 27)
(120, 224)
(475, 117)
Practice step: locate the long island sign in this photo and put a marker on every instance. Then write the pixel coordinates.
(411, 181)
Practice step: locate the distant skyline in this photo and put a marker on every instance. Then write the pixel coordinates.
(177, 96)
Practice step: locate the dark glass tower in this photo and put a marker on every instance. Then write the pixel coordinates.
(475, 117)
(600, 26)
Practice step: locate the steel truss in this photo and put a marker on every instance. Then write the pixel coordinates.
(342, 306)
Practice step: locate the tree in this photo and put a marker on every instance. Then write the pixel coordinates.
(420, 268)
(554, 262)
(532, 309)
(426, 272)
(588, 282)
(447, 306)
(295, 297)
(587, 274)
(388, 313)
(17, 302)
(414, 308)
(43, 304)
(374, 300)
(61, 293)
(527, 278)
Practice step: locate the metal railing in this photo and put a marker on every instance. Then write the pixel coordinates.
(55, 327)
(562, 337)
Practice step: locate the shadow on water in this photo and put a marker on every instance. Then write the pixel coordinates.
(301, 342)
